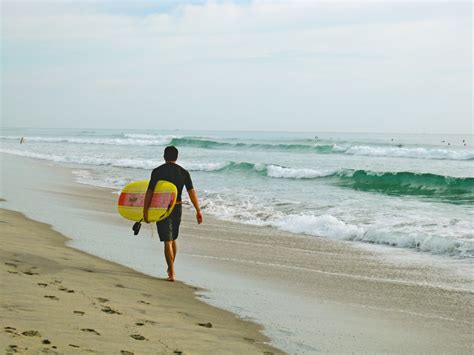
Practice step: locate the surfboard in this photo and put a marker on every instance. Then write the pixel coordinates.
(132, 198)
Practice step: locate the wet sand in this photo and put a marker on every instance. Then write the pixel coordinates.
(57, 299)
(310, 294)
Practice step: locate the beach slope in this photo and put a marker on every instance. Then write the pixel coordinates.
(57, 299)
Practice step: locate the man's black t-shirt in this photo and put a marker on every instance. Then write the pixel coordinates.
(173, 173)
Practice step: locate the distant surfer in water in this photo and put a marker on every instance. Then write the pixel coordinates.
(168, 229)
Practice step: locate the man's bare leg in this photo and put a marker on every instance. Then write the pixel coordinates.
(175, 250)
(169, 255)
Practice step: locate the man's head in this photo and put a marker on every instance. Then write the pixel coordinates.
(171, 153)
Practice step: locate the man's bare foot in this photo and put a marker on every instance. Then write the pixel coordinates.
(171, 276)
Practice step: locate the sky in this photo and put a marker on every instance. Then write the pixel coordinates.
(266, 65)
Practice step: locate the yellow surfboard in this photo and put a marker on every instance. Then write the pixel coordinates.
(132, 198)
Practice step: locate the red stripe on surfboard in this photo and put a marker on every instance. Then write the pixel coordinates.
(159, 199)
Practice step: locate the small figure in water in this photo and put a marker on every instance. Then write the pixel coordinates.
(22, 140)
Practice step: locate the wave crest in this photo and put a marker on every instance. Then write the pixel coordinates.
(304, 146)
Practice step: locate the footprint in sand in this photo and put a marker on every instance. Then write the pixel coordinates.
(119, 286)
(31, 273)
(52, 298)
(74, 346)
(178, 352)
(205, 325)
(46, 341)
(81, 313)
(125, 352)
(12, 348)
(109, 310)
(90, 330)
(12, 272)
(11, 330)
(140, 324)
(15, 348)
(102, 299)
(143, 302)
(11, 264)
(31, 333)
(65, 289)
(138, 337)
(42, 284)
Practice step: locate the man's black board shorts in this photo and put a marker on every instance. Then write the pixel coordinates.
(168, 229)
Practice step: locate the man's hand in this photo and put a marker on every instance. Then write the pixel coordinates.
(194, 199)
(199, 217)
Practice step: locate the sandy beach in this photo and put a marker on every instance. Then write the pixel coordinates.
(57, 299)
(308, 293)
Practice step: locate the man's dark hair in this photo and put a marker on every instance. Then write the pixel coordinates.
(171, 153)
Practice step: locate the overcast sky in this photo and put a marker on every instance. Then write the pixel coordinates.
(240, 65)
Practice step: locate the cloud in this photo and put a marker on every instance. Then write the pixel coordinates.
(234, 65)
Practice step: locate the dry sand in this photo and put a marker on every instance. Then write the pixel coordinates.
(57, 299)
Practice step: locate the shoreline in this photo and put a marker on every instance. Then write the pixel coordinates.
(310, 294)
(59, 299)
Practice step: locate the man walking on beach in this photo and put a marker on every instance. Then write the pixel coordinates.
(168, 229)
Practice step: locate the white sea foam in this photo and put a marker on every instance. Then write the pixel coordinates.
(291, 173)
(138, 139)
(418, 240)
(134, 163)
(87, 178)
(338, 149)
(147, 136)
(204, 166)
(323, 226)
(254, 212)
(87, 160)
(419, 153)
(156, 140)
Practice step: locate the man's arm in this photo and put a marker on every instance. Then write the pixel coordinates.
(149, 194)
(195, 201)
(146, 204)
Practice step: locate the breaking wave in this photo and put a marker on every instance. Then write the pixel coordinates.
(329, 226)
(458, 190)
(304, 146)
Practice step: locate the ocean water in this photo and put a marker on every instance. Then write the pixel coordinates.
(402, 191)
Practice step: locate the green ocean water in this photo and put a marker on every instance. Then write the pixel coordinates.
(408, 191)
